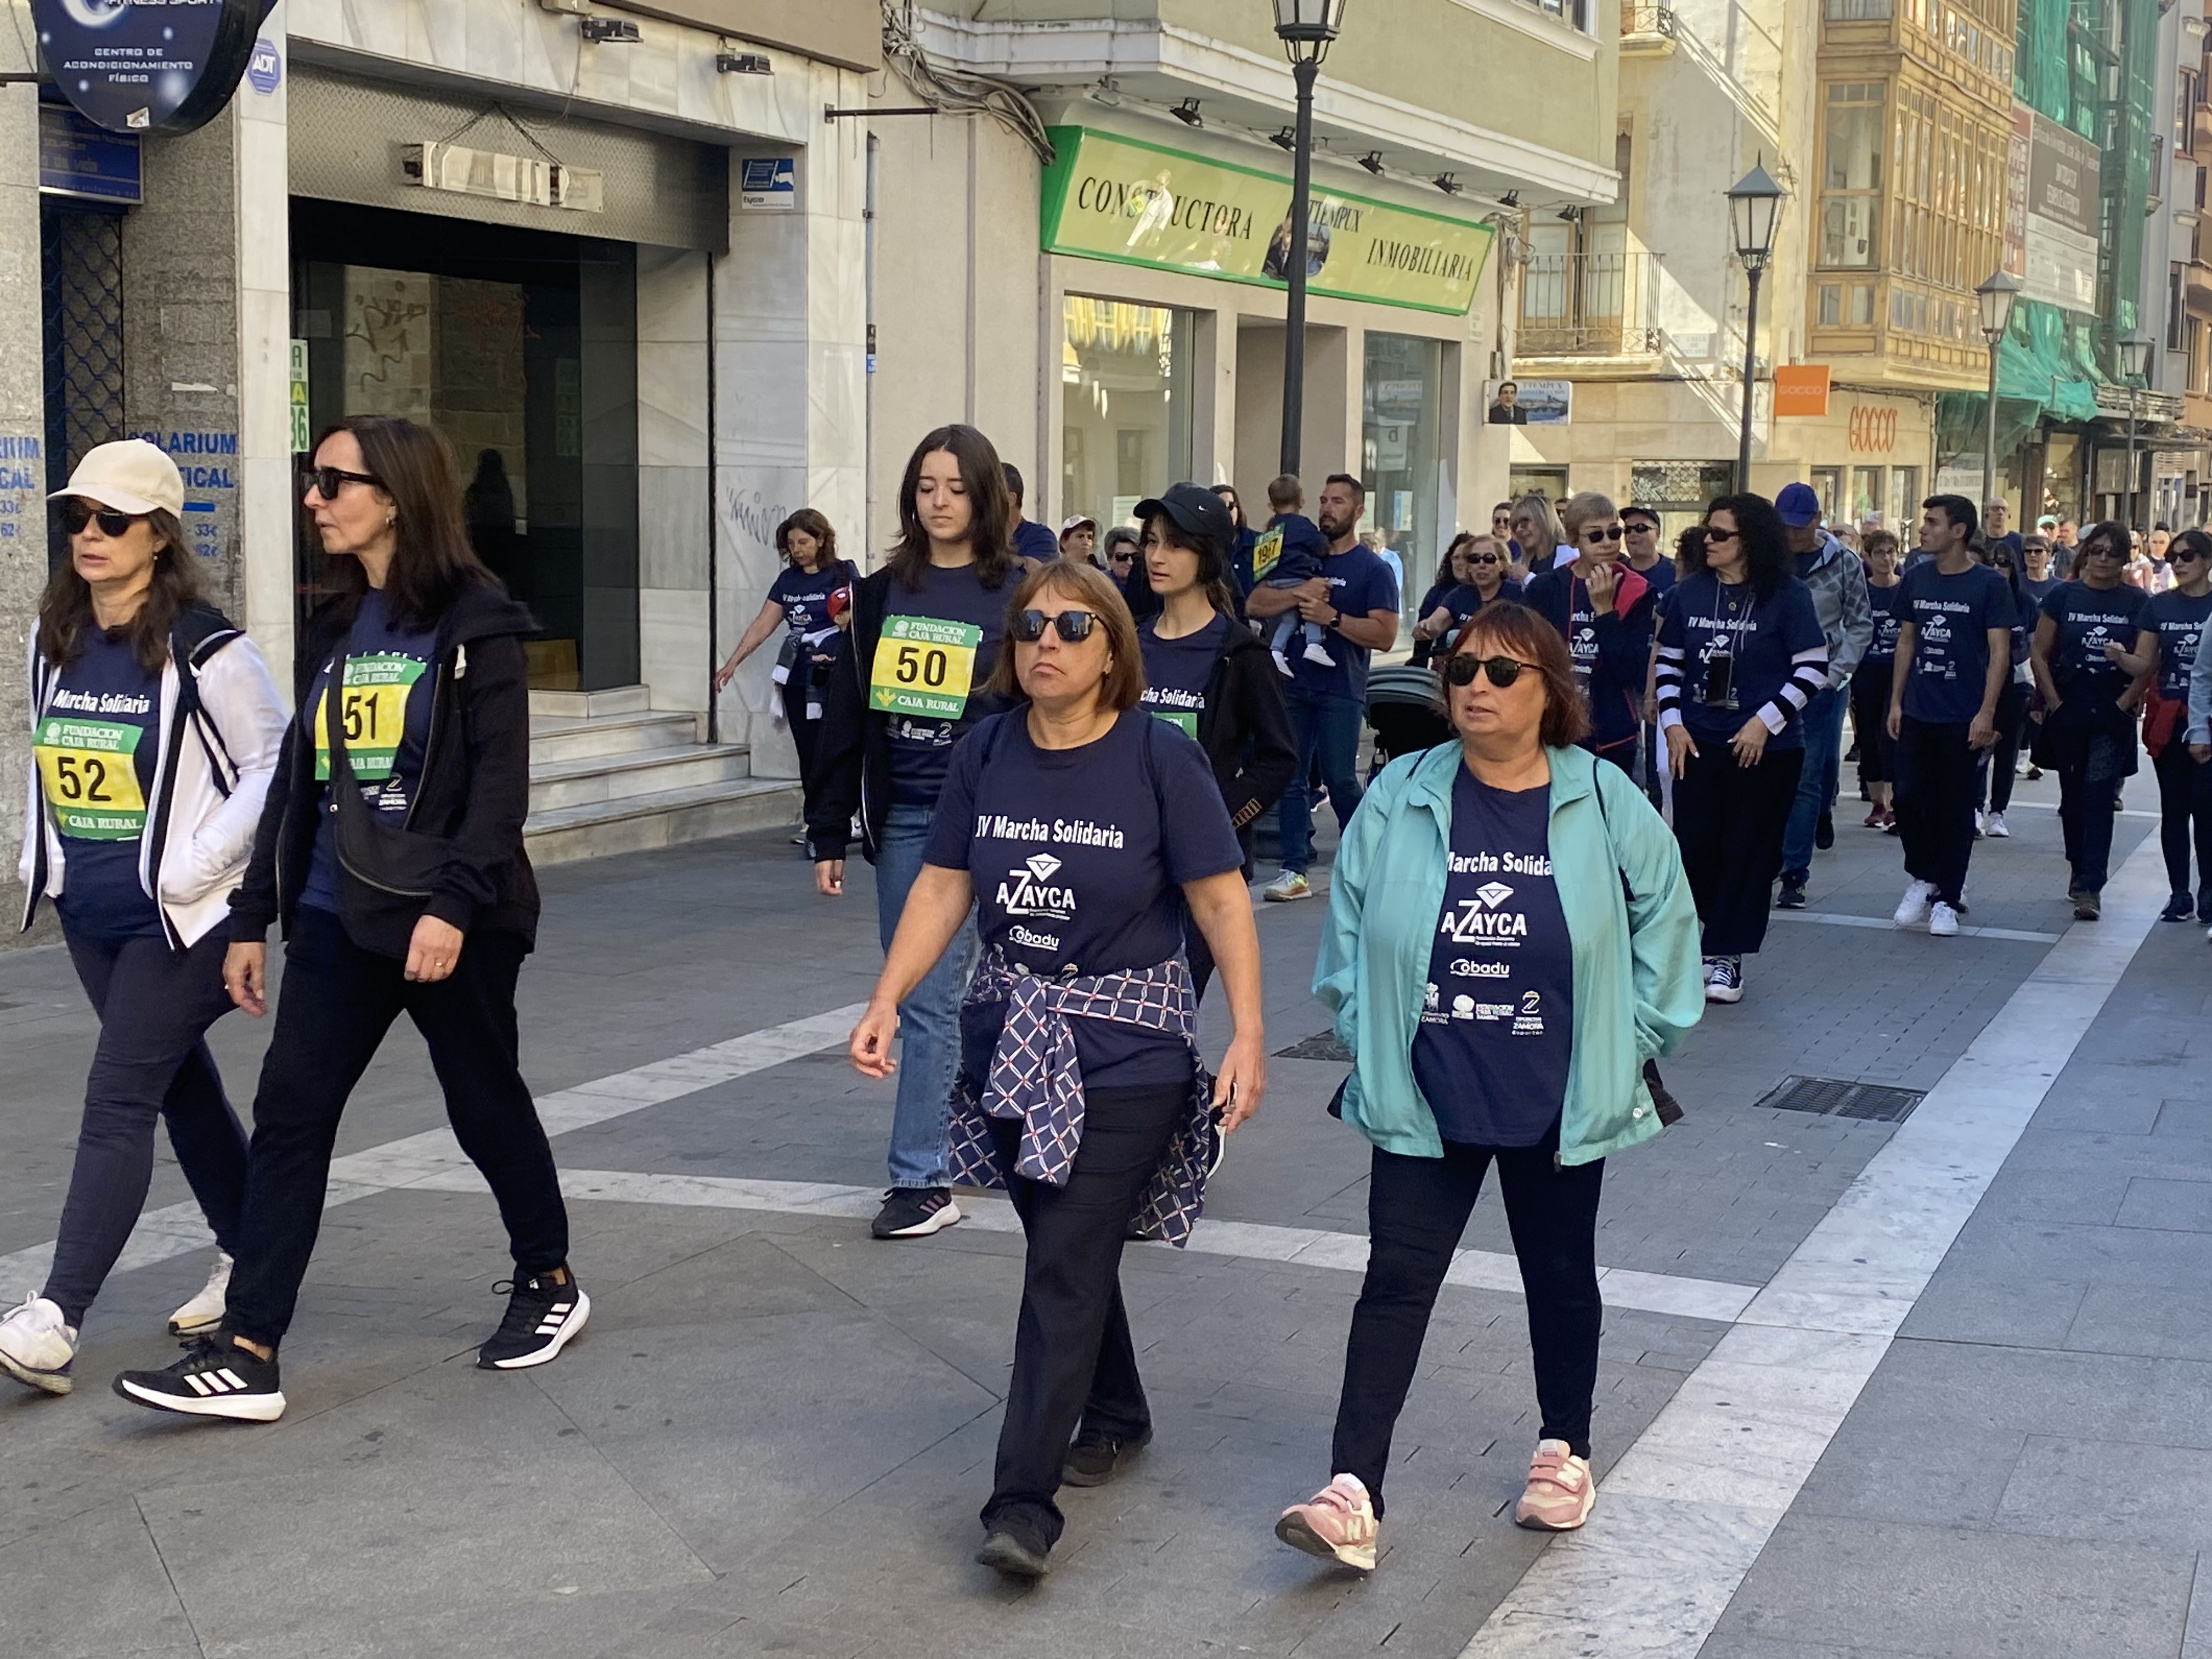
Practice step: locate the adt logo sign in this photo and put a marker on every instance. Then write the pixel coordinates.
(265, 68)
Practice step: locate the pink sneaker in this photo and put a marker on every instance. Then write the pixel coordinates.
(1337, 1523)
(1559, 1492)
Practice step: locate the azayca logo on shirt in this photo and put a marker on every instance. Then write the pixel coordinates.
(1487, 920)
(1029, 889)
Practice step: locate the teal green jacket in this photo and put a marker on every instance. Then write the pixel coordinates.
(1637, 988)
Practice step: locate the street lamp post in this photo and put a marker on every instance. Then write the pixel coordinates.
(1306, 28)
(1995, 297)
(1754, 206)
(2135, 364)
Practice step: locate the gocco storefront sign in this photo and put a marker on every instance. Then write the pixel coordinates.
(1109, 197)
(147, 65)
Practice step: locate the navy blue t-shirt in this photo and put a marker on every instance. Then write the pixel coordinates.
(929, 668)
(2036, 591)
(1036, 540)
(805, 596)
(96, 752)
(386, 710)
(1290, 548)
(1178, 671)
(1951, 618)
(1706, 616)
(1888, 617)
(1359, 582)
(1496, 1029)
(1078, 858)
(2089, 618)
(1660, 578)
(2178, 622)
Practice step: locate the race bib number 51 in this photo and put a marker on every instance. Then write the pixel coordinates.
(373, 704)
(90, 774)
(924, 667)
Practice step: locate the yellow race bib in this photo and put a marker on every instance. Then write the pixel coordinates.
(373, 704)
(89, 771)
(1266, 552)
(924, 667)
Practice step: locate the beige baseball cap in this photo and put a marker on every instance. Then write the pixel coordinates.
(131, 475)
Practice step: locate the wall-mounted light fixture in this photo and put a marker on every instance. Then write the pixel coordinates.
(1372, 162)
(1187, 113)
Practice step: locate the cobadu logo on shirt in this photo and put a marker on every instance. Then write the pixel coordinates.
(1479, 920)
(1027, 890)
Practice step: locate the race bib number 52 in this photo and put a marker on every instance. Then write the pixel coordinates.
(924, 667)
(90, 775)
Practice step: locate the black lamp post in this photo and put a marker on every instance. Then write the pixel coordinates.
(1754, 207)
(1995, 297)
(1306, 28)
(2135, 365)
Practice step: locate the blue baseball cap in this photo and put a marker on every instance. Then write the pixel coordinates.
(1797, 506)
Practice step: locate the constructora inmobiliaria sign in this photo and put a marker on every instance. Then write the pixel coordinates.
(1110, 197)
(147, 65)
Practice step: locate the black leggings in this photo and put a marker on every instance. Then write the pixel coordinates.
(1416, 1208)
(1870, 689)
(1729, 820)
(2184, 811)
(2000, 765)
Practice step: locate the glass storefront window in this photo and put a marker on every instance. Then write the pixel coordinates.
(1125, 373)
(1905, 499)
(1866, 494)
(1399, 405)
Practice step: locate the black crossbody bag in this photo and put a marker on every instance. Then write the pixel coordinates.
(389, 870)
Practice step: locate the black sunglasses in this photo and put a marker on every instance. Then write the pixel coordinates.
(76, 514)
(1480, 558)
(327, 481)
(1073, 626)
(1713, 535)
(1609, 533)
(1502, 671)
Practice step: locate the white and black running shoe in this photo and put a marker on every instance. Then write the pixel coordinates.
(915, 1212)
(542, 1317)
(216, 1378)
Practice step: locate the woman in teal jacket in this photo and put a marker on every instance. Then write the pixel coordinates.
(1510, 937)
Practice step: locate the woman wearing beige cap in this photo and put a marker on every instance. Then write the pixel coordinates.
(154, 728)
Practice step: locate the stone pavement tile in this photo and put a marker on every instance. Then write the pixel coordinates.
(2121, 1491)
(2171, 1205)
(1991, 1307)
(563, 1622)
(2124, 1319)
(1962, 1593)
(1753, 1647)
(2090, 1194)
(91, 1587)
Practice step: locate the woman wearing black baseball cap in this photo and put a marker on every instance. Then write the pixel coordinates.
(1206, 672)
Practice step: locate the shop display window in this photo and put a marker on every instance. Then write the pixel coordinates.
(1125, 373)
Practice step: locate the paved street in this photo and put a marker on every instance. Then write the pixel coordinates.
(1930, 1388)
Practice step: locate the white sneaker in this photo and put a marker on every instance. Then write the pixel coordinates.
(1725, 984)
(1994, 828)
(1315, 653)
(205, 1311)
(36, 1348)
(1282, 665)
(1287, 886)
(1942, 920)
(1981, 825)
(1912, 910)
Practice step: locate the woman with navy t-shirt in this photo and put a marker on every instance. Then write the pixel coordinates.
(1870, 682)
(811, 599)
(2178, 617)
(1080, 828)
(1740, 653)
(154, 728)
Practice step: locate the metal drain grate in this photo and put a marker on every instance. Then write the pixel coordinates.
(1828, 1097)
(1322, 1045)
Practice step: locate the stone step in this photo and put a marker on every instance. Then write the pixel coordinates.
(589, 705)
(638, 824)
(645, 772)
(565, 740)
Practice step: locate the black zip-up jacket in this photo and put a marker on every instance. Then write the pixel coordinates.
(475, 786)
(1246, 730)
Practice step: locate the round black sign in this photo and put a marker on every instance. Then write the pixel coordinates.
(146, 65)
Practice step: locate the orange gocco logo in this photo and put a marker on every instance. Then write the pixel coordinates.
(1873, 431)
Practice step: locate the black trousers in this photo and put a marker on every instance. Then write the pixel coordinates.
(1729, 820)
(1935, 803)
(2093, 745)
(1074, 1362)
(338, 1001)
(805, 734)
(1871, 723)
(1416, 1208)
(2000, 765)
(155, 1007)
(2184, 812)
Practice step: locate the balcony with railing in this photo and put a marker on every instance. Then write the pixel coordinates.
(1589, 305)
(1646, 21)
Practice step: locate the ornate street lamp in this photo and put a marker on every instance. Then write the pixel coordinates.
(1995, 297)
(2134, 367)
(1306, 28)
(1754, 207)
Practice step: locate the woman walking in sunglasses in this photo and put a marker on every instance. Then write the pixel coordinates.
(1510, 937)
(2178, 617)
(1476, 568)
(390, 851)
(1082, 829)
(1602, 610)
(154, 731)
(1740, 653)
(927, 632)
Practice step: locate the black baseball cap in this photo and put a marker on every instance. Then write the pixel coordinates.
(1195, 510)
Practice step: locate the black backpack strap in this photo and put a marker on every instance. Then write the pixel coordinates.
(198, 632)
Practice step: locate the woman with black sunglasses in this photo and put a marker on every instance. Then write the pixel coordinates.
(154, 730)
(2178, 617)
(1603, 610)
(390, 851)
(1740, 654)
(1478, 566)
(1082, 830)
(2093, 656)
(1240, 556)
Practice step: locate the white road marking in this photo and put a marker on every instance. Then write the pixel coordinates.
(1837, 919)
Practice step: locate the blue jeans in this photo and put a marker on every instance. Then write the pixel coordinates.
(1325, 729)
(1816, 784)
(929, 1019)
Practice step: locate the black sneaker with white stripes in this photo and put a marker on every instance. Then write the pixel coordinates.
(541, 1318)
(216, 1378)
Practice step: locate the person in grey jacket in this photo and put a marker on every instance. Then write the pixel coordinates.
(1837, 581)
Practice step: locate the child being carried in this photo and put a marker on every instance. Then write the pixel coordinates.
(1291, 551)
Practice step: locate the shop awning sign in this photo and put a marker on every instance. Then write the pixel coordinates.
(1801, 389)
(1110, 198)
(146, 65)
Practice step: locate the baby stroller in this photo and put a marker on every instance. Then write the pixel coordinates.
(1406, 711)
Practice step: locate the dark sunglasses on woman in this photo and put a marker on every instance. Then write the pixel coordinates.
(1611, 532)
(1028, 626)
(1502, 671)
(1713, 535)
(327, 481)
(1480, 558)
(77, 514)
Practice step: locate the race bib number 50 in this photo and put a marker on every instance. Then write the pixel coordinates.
(924, 667)
(373, 705)
(90, 774)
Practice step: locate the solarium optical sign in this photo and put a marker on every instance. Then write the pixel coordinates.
(1110, 198)
(147, 65)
